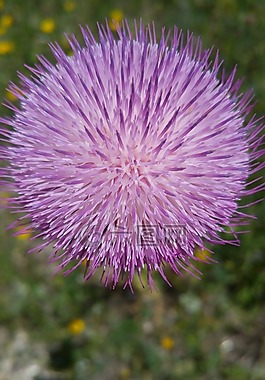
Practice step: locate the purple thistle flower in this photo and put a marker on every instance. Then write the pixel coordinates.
(130, 153)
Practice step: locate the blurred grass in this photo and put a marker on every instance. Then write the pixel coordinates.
(208, 329)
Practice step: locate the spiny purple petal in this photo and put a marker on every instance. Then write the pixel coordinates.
(129, 137)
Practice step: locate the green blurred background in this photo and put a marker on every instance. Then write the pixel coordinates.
(54, 328)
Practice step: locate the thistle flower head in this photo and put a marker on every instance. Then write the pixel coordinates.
(130, 153)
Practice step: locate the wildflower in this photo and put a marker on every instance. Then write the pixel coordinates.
(69, 5)
(77, 326)
(202, 254)
(6, 47)
(23, 233)
(131, 153)
(10, 96)
(6, 21)
(47, 25)
(167, 343)
(4, 195)
(116, 17)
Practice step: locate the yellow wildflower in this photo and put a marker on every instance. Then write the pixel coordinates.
(167, 343)
(77, 326)
(3, 198)
(84, 262)
(6, 21)
(116, 17)
(10, 96)
(6, 47)
(69, 5)
(23, 234)
(47, 25)
(202, 254)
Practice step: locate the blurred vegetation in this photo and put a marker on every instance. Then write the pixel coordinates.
(209, 329)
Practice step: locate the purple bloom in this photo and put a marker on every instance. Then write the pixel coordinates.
(131, 153)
